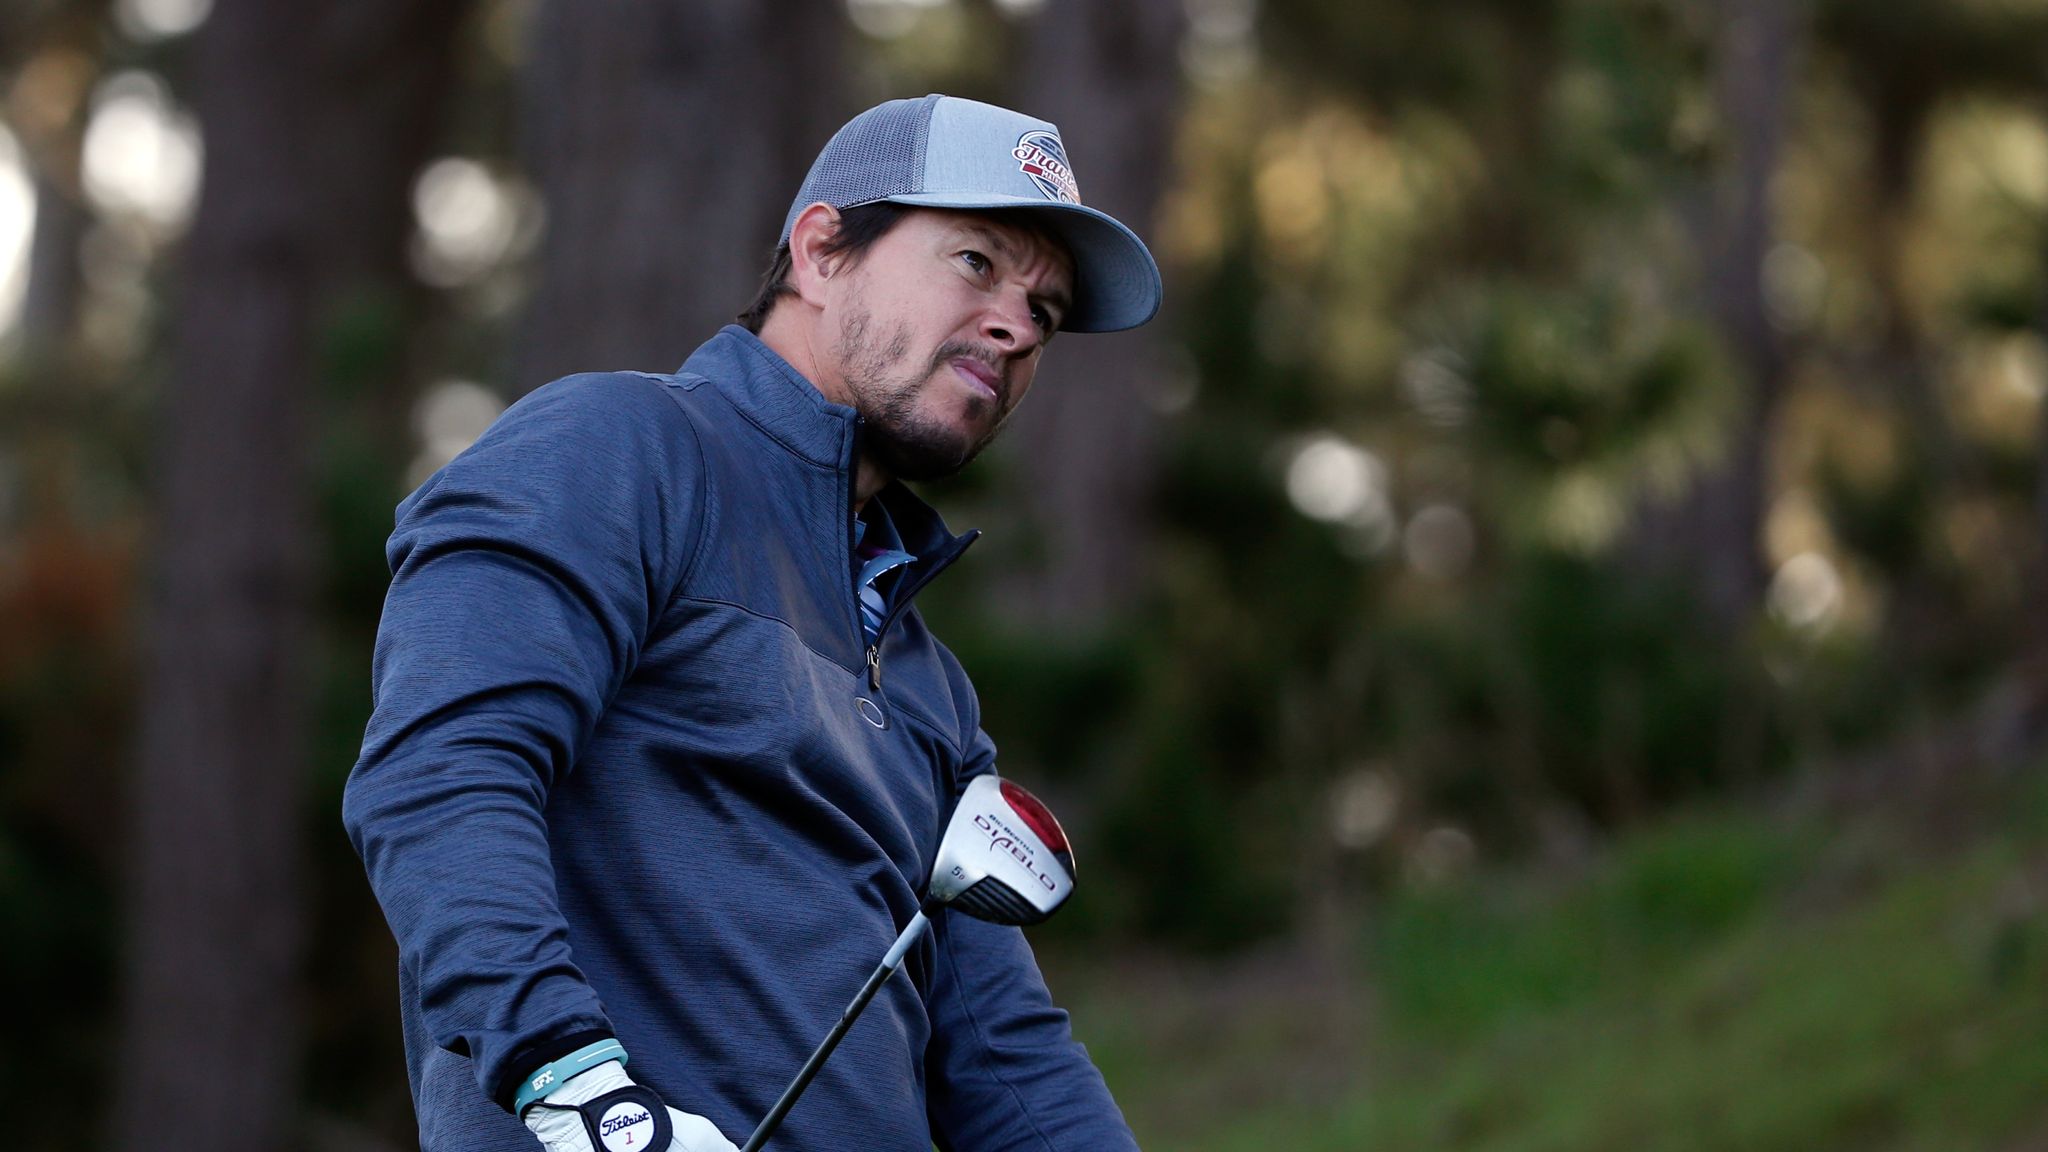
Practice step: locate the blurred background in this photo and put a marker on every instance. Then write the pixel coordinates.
(1540, 645)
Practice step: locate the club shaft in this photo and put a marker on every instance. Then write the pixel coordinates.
(890, 963)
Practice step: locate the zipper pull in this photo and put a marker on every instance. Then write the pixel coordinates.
(875, 667)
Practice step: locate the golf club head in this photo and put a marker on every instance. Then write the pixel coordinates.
(1004, 858)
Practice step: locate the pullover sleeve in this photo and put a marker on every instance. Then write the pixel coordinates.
(526, 577)
(1004, 1070)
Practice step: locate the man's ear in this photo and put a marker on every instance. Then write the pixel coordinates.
(810, 263)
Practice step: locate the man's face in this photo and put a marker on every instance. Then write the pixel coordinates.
(937, 329)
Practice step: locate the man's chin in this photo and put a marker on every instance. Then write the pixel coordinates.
(924, 457)
(922, 466)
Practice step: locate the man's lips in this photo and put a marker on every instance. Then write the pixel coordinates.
(979, 376)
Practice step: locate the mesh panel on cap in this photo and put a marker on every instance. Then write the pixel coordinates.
(879, 154)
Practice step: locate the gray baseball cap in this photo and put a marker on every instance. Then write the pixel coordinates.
(946, 152)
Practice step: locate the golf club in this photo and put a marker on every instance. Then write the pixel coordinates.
(1003, 859)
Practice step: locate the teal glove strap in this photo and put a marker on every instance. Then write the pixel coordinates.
(549, 1077)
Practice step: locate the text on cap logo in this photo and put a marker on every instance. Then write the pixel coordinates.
(1041, 156)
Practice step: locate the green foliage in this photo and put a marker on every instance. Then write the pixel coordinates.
(1183, 843)
(1384, 50)
(1875, 1027)
(1468, 959)
(1886, 520)
(351, 960)
(1721, 982)
(1621, 670)
(1582, 373)
(58, 905)
(60, 954)
(1575, 683)
(1052, 703)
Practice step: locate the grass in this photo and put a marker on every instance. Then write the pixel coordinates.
(1716, 985)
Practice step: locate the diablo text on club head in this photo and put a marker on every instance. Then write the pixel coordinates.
(1004, 858)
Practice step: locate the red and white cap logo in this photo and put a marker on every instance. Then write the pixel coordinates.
(1041, 156)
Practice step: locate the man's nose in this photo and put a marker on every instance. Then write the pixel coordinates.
(1008, 325)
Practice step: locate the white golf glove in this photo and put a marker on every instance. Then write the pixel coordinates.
(572, 1118)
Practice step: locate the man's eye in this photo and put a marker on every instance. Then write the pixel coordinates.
(975, 260)
(1043, 319)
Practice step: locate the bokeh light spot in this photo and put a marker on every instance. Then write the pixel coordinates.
(448, 418)
(1439, 542)
(1807, 592)
(146, 20)
(469, 221)
(1334, 480)
(142, 152)
(1363, 805)
(888, 19)
(17, 227)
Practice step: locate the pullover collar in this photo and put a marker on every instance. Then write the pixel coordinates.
(788, 408)
(774, 396)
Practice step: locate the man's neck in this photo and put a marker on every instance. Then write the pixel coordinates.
(791, 333)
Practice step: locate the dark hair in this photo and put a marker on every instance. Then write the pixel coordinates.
(859, 227)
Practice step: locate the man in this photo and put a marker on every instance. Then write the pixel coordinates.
(662, 748)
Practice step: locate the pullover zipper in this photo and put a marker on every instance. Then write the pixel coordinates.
(940, 562)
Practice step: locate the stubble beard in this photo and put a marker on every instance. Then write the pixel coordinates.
(908, 445)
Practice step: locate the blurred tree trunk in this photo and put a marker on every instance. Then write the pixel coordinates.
(2040, 574)
(1915, 615)
(668, 137)
(49, 309)
(210, 1059)
(1108, 73)
(1758, 46)
(387, 76)
(387, 72)
(1713, 535)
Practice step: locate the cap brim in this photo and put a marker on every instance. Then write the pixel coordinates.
(1116, 281)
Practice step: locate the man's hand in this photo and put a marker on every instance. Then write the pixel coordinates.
(593, 1112)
